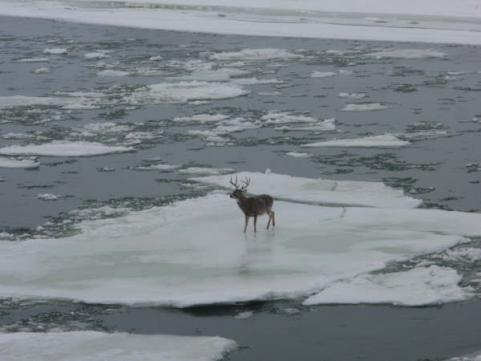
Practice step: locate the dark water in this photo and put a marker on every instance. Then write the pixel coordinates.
(435, 94)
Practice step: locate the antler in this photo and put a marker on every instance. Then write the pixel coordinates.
(246, 182)
(235, 184)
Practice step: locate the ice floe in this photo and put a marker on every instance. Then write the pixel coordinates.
(415, 287)
(100, 54)
(299, 154)
(22, 101)
(352, 95)
(63, 149)
(185, 91)
(256, 54)
(201, 118)
(55, 51)
(380, 141)
(48, 197)
(41, 70)
(33, 60)
(320, 191)
(99, 346)
(158, 167)
(18, 163)
(112, 73)
(135, 259)
(205, 170)
(363, 107)
(323, 74)
(318, 126)
(407, 54)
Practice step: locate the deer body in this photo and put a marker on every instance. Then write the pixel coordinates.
(253, 206)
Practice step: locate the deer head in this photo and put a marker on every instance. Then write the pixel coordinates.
(239, 190)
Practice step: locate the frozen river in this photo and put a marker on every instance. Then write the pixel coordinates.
(116, 147)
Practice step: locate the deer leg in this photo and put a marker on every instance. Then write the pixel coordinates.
(273, 219)
(247, 221)
(255, 224)
(270, 218)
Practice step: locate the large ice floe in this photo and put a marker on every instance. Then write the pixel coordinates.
(63, 149)
(18, 163)
(431, 21)
(182, 92)
(476, 356)
(99, 346)
(376, 141)
(194, 252)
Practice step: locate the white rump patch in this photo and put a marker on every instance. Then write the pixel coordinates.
(63, 149)
(416, 287)
(379, 141)
(99, 346)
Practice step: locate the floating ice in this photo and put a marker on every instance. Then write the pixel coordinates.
(323, 74)
(33, 60)
(424, 135)
(98, 346)
(256, 54)
(299, 154)
(23, 101)
(255, 81)
(277, 117)
(407, 54)
(18, 163)
(185, 91)
(363, 107)
(63, 149)
(415, 287)
(205, 170)
(48, 197)
(112, 73)
(319, 126)
(42, 70)
(465, 254)
(471, 357)
(352, 95)
(100, 54)
(161, 167)
(55, 51)
(244, 315)
(201, 118)
(381, 141)
(135, 259)
(320, 191)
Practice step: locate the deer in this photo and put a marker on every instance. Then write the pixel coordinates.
(253, 206)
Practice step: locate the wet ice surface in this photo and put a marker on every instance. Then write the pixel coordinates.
(191, 106)
(97, 346)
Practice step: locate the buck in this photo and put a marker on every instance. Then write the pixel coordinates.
(253, 206)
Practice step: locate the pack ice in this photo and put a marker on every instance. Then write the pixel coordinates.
(194, 252)
(98, 346)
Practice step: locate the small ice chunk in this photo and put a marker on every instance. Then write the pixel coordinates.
(99, 346)
(161, 167)
(363, 107)
(55, 51)
(63, 149)
(255, 81)
(279, 117)
(424, 135)
(323, 74)
(100, 54)
(291, 310)
(407, 54)
(376, 141)
(33, 60)
(112, 73)
(299, 154)
(319, 126)
(18, 163)
(256, 54)
(476, 356)
(155, 58)
(415, 287)
(48, 197)
(352, 95)
(201, 118)
(42, 70)
(244, 315)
